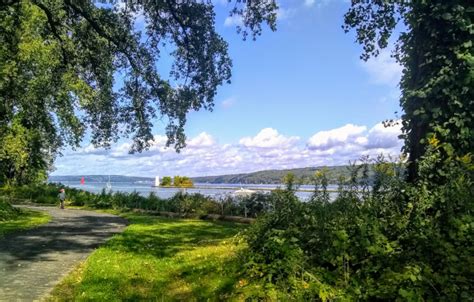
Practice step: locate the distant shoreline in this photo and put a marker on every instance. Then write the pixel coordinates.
(267, 177)
(235, 188)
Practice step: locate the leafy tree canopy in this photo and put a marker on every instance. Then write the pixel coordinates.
(166, 181)
(22, 156)
(68, 67)
(60, 61)
(437, 53)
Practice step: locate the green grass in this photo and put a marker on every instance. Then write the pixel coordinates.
(159, 259)
(21, 219)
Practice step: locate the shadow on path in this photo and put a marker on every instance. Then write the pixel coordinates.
(32, 262)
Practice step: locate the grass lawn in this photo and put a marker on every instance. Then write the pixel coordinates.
(21, 219)
(158, 259)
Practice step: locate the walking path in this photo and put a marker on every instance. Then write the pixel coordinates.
(32, 262)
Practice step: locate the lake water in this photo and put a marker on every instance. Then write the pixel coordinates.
(214, 190)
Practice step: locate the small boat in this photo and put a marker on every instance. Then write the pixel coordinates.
(244, 192)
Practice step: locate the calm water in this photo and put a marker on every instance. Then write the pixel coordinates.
(145, 188)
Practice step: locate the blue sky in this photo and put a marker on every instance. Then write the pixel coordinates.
(299, 97)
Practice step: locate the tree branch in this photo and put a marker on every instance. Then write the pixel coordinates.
(186, 36)
(6, 3)
(101, 32)
(53, 25)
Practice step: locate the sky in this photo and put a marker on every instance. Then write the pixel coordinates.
(299, 97)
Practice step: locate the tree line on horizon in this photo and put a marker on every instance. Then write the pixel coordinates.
(304, 176)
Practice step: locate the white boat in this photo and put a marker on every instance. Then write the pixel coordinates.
(244, 192)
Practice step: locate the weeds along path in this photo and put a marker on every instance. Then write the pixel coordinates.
(33, 261)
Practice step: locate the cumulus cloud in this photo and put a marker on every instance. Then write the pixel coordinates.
(384, 137)
(357, 141)
(234, 20)
(383, 69)
(268, 138)
(267, 149)
(90, 149)
(348, 134)
(309, 2)
(202, 140)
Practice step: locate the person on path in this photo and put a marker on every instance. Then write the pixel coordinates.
(62, 197)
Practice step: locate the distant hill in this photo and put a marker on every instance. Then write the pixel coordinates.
(274, 176)
(260, 177)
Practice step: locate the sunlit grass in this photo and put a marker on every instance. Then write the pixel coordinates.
(25, 219)
(158, 259)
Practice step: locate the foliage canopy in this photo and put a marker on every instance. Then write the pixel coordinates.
(437, 53)
(73, 67)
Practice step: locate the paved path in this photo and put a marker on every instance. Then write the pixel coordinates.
(32, 262)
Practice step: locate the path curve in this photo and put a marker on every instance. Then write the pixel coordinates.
(33, 261)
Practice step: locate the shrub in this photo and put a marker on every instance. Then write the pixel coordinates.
(45, 194)
(7, 212)
(393, 240)
(182, 203)
(255, 204)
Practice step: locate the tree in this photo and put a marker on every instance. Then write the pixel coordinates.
(182, 181)
(71, 67)
(177, 181)
(290, 181)
(186, 182)
(166, 181)
(23, 160)
(437, 54)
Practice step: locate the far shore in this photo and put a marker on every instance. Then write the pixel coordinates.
(234, 188)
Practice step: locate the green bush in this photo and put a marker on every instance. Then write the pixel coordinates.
(7, 212)
(183, 203)
(389, 241)
(45, 194)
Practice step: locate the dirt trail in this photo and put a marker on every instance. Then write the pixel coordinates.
(32, 262)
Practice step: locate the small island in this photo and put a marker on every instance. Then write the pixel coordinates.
(176, 182)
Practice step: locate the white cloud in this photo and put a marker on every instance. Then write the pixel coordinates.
(159, 144)
(121, 150)
(384, 137)
(324, 140)
(202, 140)
(351, 141)
(268, 138)
(383, 69)
(203, 155)
(234, 20)
(309, 2)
